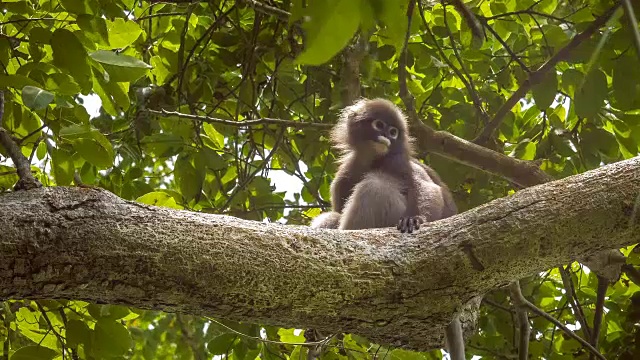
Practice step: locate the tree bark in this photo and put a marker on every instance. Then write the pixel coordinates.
(393, 288)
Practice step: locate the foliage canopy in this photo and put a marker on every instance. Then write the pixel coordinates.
(288, 65)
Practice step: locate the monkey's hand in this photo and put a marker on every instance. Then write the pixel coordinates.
(408, 223)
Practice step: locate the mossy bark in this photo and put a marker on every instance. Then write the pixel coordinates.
(392, 288)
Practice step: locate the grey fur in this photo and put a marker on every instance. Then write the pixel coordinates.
(326, 220)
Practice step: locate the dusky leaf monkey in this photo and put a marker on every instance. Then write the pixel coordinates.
(380, 184)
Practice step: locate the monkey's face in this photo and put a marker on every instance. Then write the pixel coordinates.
(374, 128)
(383, 136)
(378, 136)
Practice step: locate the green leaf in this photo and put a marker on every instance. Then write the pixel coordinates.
(394, 18)
(77, 333)
(93, 152)
(16, 81)
(221, 344)
(79, 7)
(111, 58)
(589, 98)
(159, 198)
(92, 145)
(34, 352)
(62, 167)
(121, 68)
(626, 87)
(36, 98)
(288, 336)
(331, 25)
(8, 178)
(525, 150)
(189, 178)
(122, 33)
(571, 81)
(94, 28)
(63, 84)
(214, 135)
(110, 339)
(69, 54)
(401, 354)
(545, 92)
(74, 132)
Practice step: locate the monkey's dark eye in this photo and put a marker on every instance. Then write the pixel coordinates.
(378, 125)
(393, 132)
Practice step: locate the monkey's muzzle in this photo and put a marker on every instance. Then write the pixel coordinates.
(381, 145)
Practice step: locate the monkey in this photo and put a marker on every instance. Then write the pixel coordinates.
(379, 182)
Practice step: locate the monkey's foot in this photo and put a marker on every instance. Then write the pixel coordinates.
(409, 223)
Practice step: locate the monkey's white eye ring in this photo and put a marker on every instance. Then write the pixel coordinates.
(378, 125)
(393, 132)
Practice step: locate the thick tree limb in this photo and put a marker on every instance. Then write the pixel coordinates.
(520, 172)
(393, 288)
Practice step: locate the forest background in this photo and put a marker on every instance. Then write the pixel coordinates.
(223, 107)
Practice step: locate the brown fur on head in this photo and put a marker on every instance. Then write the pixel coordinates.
(352, 132)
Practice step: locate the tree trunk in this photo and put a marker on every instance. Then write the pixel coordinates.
(392, 288)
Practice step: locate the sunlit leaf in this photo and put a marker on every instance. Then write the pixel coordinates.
(34, 352)
(330, 26)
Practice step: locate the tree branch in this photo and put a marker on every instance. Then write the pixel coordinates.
(524, 329)
(262, 121)
(23, 167)
(537, 76)
(601, 293)
(520, 172)
(565, 329)
(572, 297)
(392, 288)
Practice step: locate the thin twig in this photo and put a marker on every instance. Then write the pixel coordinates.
(530, 13)
(311, 343)
(160, 14)
(255, 122)
(506, 47)
(13, 21)
(573, 299)
(48, 321)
